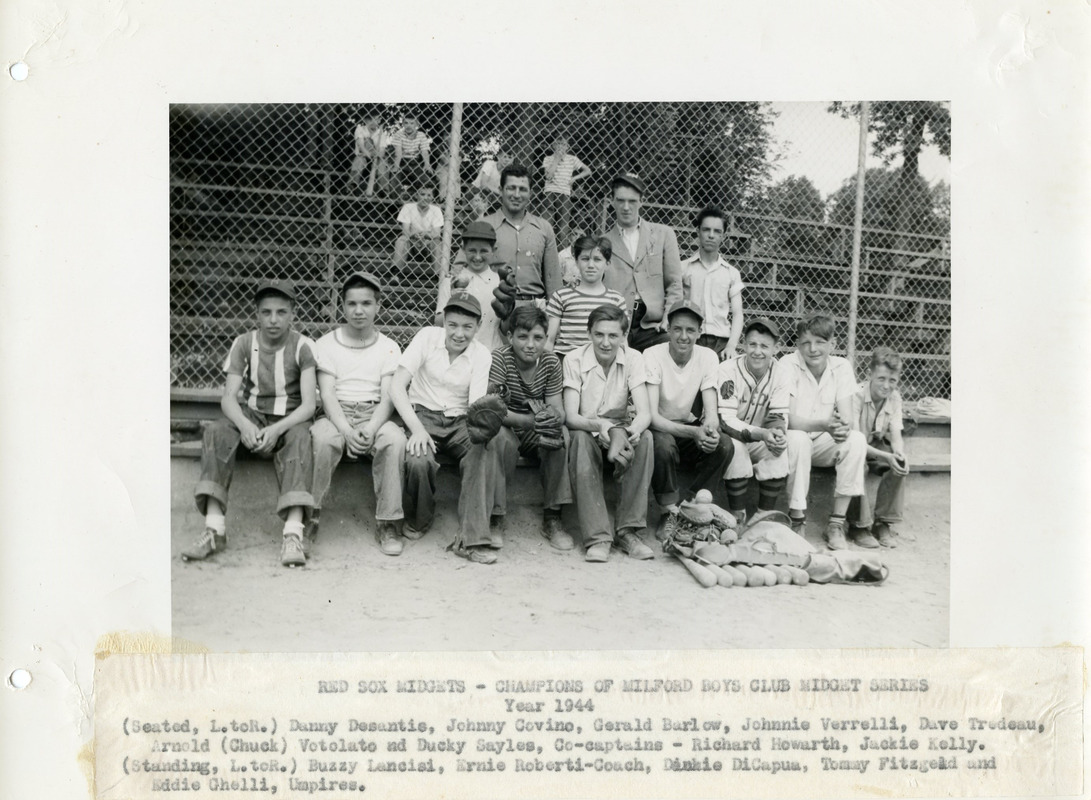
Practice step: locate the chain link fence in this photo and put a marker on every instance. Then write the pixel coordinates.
(312, 193)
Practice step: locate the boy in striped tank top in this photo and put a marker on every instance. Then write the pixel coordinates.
(272, 371)
(570, 306)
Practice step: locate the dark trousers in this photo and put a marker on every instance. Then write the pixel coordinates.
(643, 338)
(475, 497)
(717, 343)
(669, 452)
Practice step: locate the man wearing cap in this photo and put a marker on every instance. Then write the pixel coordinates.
(355, 364)
(753, 397)
(681, 379)
(524, 241)
(478, 278)
(273, 368)
(644, 267)
(714, 285)
(441, 372)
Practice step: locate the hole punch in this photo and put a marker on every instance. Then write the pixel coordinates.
(19, 678)
(19, 72)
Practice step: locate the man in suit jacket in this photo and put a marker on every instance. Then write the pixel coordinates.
(645, 267)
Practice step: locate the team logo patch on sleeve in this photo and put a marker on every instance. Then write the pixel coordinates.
(727, 388)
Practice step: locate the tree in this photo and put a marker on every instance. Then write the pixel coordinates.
(794, 198)
(904, 127)
(890, 202)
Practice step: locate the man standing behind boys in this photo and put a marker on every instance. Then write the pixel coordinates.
(754, 400)
(877, 410)
(644, 267)
(440, 373)
(562, 170)
(355, 365)
(820, 427)
(714, 285)
(600, 379)
(679, 373)
(274, 368)
(422, 224)
(478, 278)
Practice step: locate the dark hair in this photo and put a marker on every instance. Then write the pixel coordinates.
(709, 211)
(884, 356)
(528, 317)
(618, 182)
(817, 323)
(513, 170)
(358, 282)
(585, 243)
(607, 313)
(272, 293)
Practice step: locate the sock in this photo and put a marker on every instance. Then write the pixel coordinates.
(216, 522)
(769, 491)
(837, 519)
(551, 513)
(797, 513)
(736, 493)
(293, 527)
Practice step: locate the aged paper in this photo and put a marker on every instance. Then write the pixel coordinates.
(83, 409)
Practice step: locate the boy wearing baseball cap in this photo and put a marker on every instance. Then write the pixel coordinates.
(355, 365)
(478, 278)
(441, 372)
(274, 369)
(753, 400)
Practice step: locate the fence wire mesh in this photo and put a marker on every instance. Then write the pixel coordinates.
(312, 192)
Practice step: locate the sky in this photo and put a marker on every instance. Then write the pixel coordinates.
(823, 147)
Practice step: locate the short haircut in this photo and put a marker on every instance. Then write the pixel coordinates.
(883, 356)
(409, 117)
(358, 282)
(607, 313)
(817, 323)
(709, 211)
(527, 318)
(272, 293)
(514, 170)
(587, 243)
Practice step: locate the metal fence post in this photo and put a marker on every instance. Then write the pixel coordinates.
(452, 186)
(857, 237)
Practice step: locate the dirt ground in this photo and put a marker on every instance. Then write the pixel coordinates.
(351, 597)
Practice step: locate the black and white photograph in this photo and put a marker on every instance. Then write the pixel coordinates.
(401, 418)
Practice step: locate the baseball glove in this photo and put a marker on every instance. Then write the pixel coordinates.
(484, 418)
(503, 296)
(547, 425)
(620, 453)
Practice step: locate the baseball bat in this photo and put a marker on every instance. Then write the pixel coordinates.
(702, 574)
(722, 577)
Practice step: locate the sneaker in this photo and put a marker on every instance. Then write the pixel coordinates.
(479, 554)
(389, 540)
(634, 546)
(799, 524)
(310, 533)
(496, 531)
(559, 538)
(205, 545)
(835, 536)
(411, 533)
(740, 517)
(886, 536)
(291, 552)
(862, 537)
(598, 552)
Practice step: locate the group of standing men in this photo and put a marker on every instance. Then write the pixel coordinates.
(656, 382)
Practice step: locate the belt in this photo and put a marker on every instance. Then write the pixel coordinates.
(528, 296)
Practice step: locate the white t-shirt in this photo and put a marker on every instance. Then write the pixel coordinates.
(679, 386)
(357, 371)
(418, 222)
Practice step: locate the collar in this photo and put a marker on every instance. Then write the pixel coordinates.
(588, 360)
(696, 259)
(497, 218)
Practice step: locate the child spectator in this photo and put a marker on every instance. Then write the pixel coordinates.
(562, 170)
(569, 308)
(412, 164)
(479, 279)
(488, 177)
(369, 140)
(754, 404)
(355, 365)
(531, 375)
(820, 424)
(714, 285)
(570, 271)
(422, 224)
(439, 375)
(877, 412)
(473, 206)
(274, 368)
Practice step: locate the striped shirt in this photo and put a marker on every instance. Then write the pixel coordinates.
(410, 146)
(747, 401)
(572, 307)
(270, 378)
(561, 182)
(505, 372)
